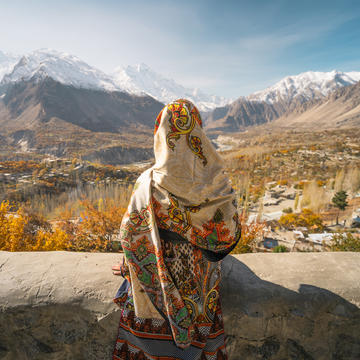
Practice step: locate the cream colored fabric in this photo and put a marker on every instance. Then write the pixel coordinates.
(144, 308)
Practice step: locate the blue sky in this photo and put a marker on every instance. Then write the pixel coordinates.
(228, 48)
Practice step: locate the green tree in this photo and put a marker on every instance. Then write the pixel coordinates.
(339, 200)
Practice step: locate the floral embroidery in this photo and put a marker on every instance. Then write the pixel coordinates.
(141, 219)
(185, 291)
(214, 234)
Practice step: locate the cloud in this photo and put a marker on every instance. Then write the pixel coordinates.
(229, 48)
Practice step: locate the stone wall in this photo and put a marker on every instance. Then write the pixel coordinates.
(58, 305)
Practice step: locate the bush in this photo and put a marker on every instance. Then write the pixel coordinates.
(98, 229)
(23, 231)
(306, 218)
(288, 210)
(280, 249)
(345, 242)
(249, 234)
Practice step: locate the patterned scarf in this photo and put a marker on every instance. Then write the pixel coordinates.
(185, 192)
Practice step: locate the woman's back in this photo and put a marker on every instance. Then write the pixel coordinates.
(181, 221)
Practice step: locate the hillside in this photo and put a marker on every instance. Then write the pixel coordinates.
(243, 113)
(51, 118)
(319, 96)
(339, 109)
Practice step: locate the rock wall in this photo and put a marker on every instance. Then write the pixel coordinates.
(58, 305)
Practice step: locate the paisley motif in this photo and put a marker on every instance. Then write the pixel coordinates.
(195, 146)
(182, 119)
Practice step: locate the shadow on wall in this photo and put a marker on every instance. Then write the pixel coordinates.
(264, 320)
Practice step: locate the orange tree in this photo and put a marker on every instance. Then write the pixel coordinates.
(24, 231)
(249, 234)
(96, 229)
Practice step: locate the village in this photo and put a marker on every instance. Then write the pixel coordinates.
(279, 176)
(284, 190)
(277, 202)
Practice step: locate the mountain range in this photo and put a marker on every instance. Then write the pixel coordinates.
(70, 70)
(305, 86)
(290, 96)
(55, 103)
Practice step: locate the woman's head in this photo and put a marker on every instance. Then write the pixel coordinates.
(185, 157)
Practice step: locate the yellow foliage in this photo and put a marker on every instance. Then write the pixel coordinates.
(18, 166)
(282, 182)
(249, 234)
(49, 241)
(98, 228)
(306, 219)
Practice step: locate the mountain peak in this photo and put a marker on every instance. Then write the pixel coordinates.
(142, 79)
(7, 62)
(142, 67)
(308, 85)
(62, 67)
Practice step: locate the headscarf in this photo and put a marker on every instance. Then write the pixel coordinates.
(186, 192)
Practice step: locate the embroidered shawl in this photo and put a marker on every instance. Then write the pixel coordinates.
(185, 192)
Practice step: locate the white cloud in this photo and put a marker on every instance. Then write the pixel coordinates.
(172, 38)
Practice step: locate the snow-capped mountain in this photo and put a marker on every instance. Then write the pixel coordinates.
(62, 67)
(70, 70)
(7, 62)
(141, 79)
(308, 85)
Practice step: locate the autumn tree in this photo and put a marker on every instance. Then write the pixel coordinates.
(306, 218)
(249, 234)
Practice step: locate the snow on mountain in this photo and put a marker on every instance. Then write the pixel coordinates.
(7, 62)
(309, 85)
(62, 67)
(141, 79)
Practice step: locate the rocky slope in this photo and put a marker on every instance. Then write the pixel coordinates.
(340, 108)
(48, 117)
(241, 114)
(303, 94)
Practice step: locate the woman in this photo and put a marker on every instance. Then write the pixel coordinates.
(181, 221)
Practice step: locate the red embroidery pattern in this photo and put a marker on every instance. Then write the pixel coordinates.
(213, 235)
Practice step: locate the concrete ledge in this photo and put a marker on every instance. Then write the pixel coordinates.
(58, 305)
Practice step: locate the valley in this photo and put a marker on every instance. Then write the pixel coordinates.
(74, 139)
